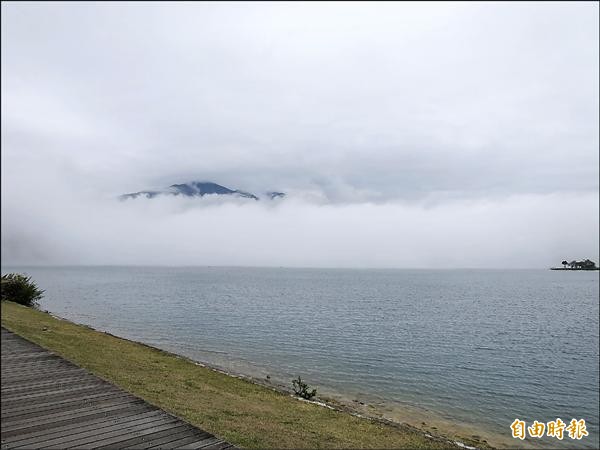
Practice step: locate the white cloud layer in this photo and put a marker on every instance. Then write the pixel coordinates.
(530, 230)
(407, 134)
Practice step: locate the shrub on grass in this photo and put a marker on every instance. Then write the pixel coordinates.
(18, 288)
(301, 389)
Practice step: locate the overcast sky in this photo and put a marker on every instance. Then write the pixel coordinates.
(406, 134)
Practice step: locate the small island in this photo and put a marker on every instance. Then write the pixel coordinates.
(577, 265)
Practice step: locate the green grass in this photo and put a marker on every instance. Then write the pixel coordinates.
(234, 409)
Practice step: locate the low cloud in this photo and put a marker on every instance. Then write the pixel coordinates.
(520, 231)
(464, 135)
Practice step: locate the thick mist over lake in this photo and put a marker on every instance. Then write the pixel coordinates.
(405, 134)
(521, 231)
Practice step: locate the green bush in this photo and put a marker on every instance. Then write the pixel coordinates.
(18, 288)
(301, 389)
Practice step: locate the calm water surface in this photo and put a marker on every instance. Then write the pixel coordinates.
(478, 347)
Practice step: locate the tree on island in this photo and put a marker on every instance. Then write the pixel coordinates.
(586, 264)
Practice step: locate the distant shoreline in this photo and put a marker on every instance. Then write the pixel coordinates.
(578, 269)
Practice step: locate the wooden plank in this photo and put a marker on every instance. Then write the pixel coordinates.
(218, 446)
(48, 388)
(201, 443)
(42, 435)
(34, 366)
(57, 394)
(24, 344)
(16, 345)
(62, 397)
(41, 376)
(45, 367)
(21, 352)
(161, 438)
(53, 384)
(15, 387)
(95, 399)
(72, 439)
(68, 404)
(49, 419)
(114, 441)
(32, 379)
(73, 396)
(64, 367)
(182, 440)
(35, 369)
(57, 412)
(96, 406)
(12, 384)
(72, 423)
(26, 356)
(51, 423)
(50, 381)
(10, 360)
(49, 402)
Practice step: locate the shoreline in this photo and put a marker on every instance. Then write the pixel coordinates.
(429, 423)
(325, 402)
(435, 437)
(367, 405)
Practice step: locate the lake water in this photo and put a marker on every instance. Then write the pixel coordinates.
(472, 347)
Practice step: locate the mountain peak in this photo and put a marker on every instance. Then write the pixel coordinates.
(198, 189)
(273, 195)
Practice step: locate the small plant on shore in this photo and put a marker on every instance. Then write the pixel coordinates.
(18, 288)
(301, 389)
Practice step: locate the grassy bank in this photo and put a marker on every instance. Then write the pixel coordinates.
(237, 410)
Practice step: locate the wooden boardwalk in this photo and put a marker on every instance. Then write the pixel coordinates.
(48, 402)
